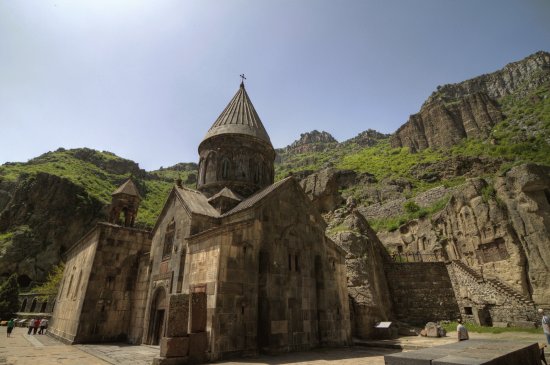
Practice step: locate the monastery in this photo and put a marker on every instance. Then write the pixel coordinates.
(239, 266)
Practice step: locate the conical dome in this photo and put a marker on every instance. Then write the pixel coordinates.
(236, 153)
(239, 117)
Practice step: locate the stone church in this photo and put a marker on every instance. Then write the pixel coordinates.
(239, 266)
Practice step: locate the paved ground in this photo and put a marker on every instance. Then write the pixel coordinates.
(21, 349)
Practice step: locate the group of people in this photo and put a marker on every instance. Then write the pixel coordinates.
(37, 325)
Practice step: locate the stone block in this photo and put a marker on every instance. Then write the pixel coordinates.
(501, 324)
(174, 346)
(178, 315)
(524, 324)
(198, 312)
(198, 344)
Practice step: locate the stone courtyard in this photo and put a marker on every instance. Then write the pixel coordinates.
(21, 349)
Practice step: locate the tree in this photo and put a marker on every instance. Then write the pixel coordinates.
(9, 297)
(50, 287)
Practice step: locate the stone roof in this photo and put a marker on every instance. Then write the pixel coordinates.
(254, 199)
(128, 188)
(227, 193)
(196, 202)
(239, 117)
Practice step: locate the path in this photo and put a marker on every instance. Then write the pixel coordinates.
(21, 349)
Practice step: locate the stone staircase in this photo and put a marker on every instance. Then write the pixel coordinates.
(498, 285)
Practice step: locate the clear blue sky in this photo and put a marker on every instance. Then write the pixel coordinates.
(146, 79)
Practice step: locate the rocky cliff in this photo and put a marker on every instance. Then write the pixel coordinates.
(500, 229)
(44, 216)
(470, 109)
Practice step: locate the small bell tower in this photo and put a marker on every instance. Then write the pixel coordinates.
(125, 201)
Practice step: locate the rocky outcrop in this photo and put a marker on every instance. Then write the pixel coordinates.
(520, 76)
(323, 187)
(313, 141)
(499, 229)
(367, 138)
(43, 217)
(365, 258)
(439, 124)
(470, 108)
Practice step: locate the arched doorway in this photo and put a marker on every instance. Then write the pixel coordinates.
(157, 316)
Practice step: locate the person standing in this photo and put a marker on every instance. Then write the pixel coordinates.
(43, 326)
(461, 331)
(545, 321)
(31, 326)
(11, 324)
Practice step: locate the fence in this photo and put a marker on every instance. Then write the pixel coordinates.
(416, 257)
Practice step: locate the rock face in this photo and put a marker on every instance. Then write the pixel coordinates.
(323, 187)
(45, 214)
(499, 230)
(443, 125)
(311, 142)
(470, 108)
(367, 286)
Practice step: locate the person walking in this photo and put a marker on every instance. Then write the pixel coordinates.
(36, 325)
(43, 326)
(461, 331)
(545, 321)
(11, 324)
(31, 326)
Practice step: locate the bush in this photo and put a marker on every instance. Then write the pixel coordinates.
(9, 297)
(411, 207)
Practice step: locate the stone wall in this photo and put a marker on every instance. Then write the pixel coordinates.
(139, 300)
(107, 309)
(70, 297)
(421, 292)
(33, 305)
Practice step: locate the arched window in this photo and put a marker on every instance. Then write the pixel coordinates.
(43, 307)
(33, 305)
(23, 305)
(225, 168)
(169, 239)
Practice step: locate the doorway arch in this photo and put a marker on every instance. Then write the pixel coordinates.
(157, 316)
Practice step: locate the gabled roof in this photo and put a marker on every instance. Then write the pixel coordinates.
(239, 117)
(226, 193)
(254, 199)
(128, 188)
(196, 202)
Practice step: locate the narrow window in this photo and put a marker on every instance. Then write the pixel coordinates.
(77, 285)
(169, 240)
(225, 168)
(289, 262)
(296, 263)
(70, 285)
